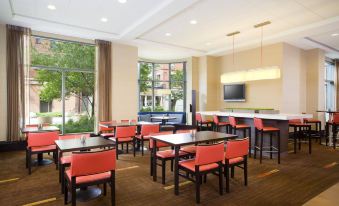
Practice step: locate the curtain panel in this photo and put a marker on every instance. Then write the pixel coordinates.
(17, 64)
(104, 80)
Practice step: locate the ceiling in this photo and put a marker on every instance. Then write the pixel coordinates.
(144, 23)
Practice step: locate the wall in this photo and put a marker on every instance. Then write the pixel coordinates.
(262, 94)
(3, 86)
(124, 82)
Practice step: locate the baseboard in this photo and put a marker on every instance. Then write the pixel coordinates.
(12, 146)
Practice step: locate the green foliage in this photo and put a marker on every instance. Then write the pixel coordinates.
(146, 109)
(145, 76)
(177, 84)
(159, 109)
(49, 114)
(84, 124)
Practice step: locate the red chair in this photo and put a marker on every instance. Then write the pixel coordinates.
(106, 132)
(84, 173)
(208, 160)
(65, 161)
(163, 155)
(244, 127)
(146, 130)
(300, 130)
(201, 123)
(261, 129)
(39, 143)
(335, 124)
(218, 124)
(317, 132)
(125, 135)
(235, 156)
(192, 149)
(124, 121)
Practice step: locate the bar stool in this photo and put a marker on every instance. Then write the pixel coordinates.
(261, 129)
(201, 122)
(299, 130)
(234, 127)
(335, 124)
(218, 124)
(317, 130)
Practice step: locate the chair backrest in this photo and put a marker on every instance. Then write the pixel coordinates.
(258, 124)
(198, 117)
(89, 163)
(159, 144)
(73, 136)
(207, 154)
(294, 121)
(335, 118)
(236, 148)
(232, 121)
(105, 129)
(147, 129)
(123, 132)
(42, 139)
(124, 121)
(215, 119)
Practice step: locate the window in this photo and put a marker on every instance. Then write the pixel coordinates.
(61, 84)
(162, 86)
(330, 87)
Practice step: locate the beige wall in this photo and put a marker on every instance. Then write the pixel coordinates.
(262, 94)
(3, 87)
(124, 82)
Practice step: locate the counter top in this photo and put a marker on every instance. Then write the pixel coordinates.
(258, 115)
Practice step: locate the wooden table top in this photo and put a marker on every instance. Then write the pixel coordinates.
(188, 138)
(43, 129)
(69, 145)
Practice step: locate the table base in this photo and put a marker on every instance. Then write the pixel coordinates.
(42, 162)
(84, 195)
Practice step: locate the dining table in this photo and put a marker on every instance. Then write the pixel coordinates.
(72, 145)
(164, 119)
(40, 160)
(178, 140)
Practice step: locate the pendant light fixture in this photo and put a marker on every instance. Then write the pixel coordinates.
(261, 73)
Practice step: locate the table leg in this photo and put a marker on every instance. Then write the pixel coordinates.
(154, 163)
(176, 171)
(41, 161)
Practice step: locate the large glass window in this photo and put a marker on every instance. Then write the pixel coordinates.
(330, 87)
(61, 84)
(162, 86)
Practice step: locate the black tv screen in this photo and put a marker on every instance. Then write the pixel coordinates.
(234, 92)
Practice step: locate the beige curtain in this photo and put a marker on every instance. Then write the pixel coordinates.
(104, 83)
(17, 64)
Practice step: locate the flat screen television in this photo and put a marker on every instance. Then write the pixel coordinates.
(234, 92)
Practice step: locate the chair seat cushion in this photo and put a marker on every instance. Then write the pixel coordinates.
(206, 122)
(89, 178)
(190, 164)
(270, 129)
(241, 126)
(43, 148)
(234, 160)
(146, 137)
(107, 134)
(65, 160)
(122, 139)
(169, 154)
(223, 123)
(189, 149)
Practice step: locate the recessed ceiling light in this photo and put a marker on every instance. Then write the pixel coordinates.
(51, 7)
(122, 1)
(335, 34)
(103, 19)
(168, 34)
(193, 21)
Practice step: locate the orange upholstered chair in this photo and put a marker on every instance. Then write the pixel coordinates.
(84, 172)
(146, 130)
(208, 160)
(201, 123)
(218, 124)
(65, 161)
(39, 143)
(261, 129)
(191, 149)
(300, 130)
(242, 127)
(125, 135)
(162, 155)
(107, 132)
(236, 155)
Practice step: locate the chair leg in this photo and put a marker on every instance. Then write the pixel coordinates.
(127, 147)
(151, 163)
(62, 177)
(271, 146)
(142, 146)
(65, 192)
(74, 199)
(245, 170)
(197, 187)
(26, 159)
(172, 165)
(309, 141)
(163, 175)
(113, 188)
(220, 179)
(133, 147)
(105, 189)
(29, 162)
(261, 145)
(255, 143)
(227, 177)
(117, 146)
(278, 147)
(250, 145)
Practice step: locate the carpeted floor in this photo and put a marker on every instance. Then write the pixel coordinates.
(296, 180)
